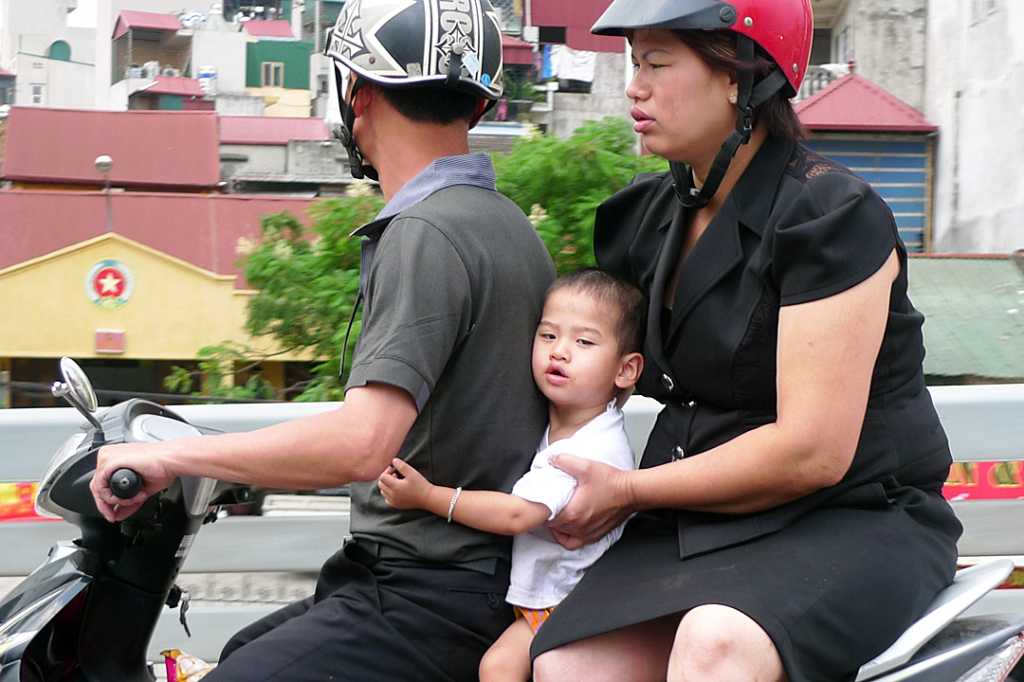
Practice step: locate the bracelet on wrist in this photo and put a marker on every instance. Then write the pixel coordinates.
(455, 498)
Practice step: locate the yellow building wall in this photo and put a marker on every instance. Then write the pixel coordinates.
(283, 102)
(176, 308)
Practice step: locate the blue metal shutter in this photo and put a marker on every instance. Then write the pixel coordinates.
(899, 170)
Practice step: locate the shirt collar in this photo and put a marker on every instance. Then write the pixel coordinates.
(754, 193)
(468, 169)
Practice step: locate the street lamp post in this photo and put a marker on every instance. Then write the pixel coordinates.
(103, 164)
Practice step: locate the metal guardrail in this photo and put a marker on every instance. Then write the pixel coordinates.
(983, 423)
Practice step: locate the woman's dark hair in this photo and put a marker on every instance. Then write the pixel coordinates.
(718, 50)
(624, 297)
(430, 104)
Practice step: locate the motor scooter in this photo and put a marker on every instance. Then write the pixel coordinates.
(88, 613)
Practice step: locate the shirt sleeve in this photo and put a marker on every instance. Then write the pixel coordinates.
(548, 486)
(553, 487)
(418, 309)
(836, 234)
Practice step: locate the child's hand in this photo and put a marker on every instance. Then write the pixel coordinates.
(403, 487)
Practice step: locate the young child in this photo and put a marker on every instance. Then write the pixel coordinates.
(586, 360)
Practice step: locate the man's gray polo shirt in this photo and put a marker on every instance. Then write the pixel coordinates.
(453, 292)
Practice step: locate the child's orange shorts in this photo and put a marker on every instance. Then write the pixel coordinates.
(534, 617)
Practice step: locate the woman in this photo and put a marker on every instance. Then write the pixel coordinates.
(790, 521)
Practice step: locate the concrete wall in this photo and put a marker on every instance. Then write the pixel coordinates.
(33, 25)
(607, 97)
(975, 94)
(239, 105)
(252, 158)
(224, 50)
(65, 85)
(318, 158)
(887, 40)
(27, 30)
(321, 158)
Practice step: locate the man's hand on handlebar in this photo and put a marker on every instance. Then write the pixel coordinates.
(139, 457)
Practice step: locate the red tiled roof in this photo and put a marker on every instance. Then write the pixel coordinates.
(516, 51)
(271, 130)
(276, 28)
(173, 149)
(202, 229)
(175, 85)
(136, 19)
(855, 103)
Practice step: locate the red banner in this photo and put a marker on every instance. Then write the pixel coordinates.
(985, 481)
(18, 502)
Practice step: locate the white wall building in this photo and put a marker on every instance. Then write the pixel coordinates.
(53, 61)
(975, 94)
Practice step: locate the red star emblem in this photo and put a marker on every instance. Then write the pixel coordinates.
(109, 283)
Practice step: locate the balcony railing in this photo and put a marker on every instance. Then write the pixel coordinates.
(818, 77)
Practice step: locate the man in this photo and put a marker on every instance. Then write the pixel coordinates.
(453, 279)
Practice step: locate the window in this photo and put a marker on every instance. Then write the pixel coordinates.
(37, 94)
(273, 75)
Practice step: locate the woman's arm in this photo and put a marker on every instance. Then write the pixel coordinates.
(486, 510)
(826, 353)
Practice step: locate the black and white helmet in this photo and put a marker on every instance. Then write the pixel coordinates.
(452, 43)
(408, 43)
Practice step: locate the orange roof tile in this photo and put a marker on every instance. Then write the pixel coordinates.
(516, 51)
(855, 103)
(172, 149)
(202, 229)
(276, 28)
(175, 85)
(135, 19)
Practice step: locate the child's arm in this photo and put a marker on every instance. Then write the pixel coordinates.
(486, 510)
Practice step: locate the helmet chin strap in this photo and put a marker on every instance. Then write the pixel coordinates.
(360, 169)
(748, 98)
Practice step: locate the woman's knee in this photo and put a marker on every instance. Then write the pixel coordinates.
(557, 664)
(718, 642)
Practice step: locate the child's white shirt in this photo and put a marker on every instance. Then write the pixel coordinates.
(544, 572)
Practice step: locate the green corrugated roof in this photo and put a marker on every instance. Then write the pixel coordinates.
(974, 315)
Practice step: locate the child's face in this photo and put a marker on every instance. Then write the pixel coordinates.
(576, 356)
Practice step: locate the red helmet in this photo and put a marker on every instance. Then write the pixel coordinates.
(783, 28)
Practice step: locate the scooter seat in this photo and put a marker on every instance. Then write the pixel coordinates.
(969, 585)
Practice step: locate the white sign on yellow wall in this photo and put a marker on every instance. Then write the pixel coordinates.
(163, 307)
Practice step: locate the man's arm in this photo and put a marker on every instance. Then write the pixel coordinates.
(352, 443)
(486, 510)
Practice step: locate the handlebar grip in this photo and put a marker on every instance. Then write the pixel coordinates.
(125, 483)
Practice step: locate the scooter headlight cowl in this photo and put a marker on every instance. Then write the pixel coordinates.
(63, 456)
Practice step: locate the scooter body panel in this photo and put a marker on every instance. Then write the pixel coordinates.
(35, 603)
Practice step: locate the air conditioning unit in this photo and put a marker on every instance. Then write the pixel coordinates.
(150, 69)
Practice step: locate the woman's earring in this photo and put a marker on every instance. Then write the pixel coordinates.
(732, 99)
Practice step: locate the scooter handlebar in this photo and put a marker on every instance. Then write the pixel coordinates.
(125, 483)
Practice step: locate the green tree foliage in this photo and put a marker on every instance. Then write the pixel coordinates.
(307, 278)
(560, 183)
